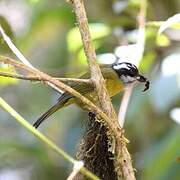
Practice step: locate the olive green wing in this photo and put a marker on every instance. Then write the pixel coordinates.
(81, 87)
(63, 100)
(84, 88)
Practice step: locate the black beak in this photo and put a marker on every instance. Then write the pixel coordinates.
(141, 78)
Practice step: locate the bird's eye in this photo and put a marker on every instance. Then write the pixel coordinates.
(133, 72)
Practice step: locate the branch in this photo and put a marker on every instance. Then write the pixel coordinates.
(140, 49)
(59, 85)
(96, 74)
(36, 78)
(123, 160)
(19, 55)
(14, 49)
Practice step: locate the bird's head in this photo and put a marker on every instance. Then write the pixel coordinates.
(129, 74)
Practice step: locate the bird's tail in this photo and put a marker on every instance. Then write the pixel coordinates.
(48, 113)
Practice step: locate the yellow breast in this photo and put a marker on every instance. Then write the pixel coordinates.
(114, 86)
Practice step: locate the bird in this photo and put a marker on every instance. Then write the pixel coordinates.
(118, 76)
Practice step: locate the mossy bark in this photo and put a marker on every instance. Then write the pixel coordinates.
(94, 151)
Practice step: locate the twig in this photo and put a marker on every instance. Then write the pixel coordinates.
(20, 56)
(14, 49)
(140, 49)
(36, 78)
(124, 104)
(77, 167)
(59, 85)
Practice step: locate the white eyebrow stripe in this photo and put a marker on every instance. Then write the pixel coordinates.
(131, 65)
(134, 66)
(119, 66)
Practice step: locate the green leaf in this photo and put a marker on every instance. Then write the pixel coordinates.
(162, 40)
(162, 158)
(160, 23)
(7, 28)
(6, 80)
(147, 61)
(34, 1)
(172, 22)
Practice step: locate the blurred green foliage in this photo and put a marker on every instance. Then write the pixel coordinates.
(47, 35)
(8, 69)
